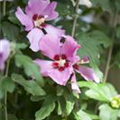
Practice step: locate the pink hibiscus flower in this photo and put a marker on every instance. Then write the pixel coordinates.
(4, 52)
(36, 35)
(64, 61)
(36, 13)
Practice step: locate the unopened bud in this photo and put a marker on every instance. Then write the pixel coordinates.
(115, 102)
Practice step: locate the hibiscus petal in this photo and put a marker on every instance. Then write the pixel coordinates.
(36, 7)
(69, 47)
(4, 48)
(24, 19)
(4, 52)
(46, 69)
(34, 37)
(84, 60)
(54, 30)
(88, 73)
(60, 77)
(50, 46)
(50, 12)
(44, 65)
(74, 85)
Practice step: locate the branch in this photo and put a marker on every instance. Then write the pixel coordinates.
(75, 18)
(114, 24)
(4, 7)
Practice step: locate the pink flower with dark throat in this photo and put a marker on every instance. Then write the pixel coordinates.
(62, 56)
(4, 52)
(36, 13)
(64, 61)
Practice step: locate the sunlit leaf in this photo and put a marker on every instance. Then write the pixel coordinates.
(107, 113)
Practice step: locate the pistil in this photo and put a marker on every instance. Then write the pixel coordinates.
(60, 62)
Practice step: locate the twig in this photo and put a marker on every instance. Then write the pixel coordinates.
(5, 99)
(113, 24)
(75, 18)
(4, 7)
(7, 67)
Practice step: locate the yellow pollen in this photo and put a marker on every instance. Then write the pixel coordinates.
(61, 62)
(38, 22)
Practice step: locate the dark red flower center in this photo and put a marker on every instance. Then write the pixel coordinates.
(60, 62)
(76, 66)
(39, 21)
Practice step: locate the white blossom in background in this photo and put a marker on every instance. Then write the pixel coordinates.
(86, 3)
(88, 18)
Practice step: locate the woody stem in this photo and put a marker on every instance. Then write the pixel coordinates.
(75, 18)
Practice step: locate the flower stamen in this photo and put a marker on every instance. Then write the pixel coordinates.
(39, 21)
(60, 62)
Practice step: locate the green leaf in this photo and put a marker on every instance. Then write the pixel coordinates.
(69, 106)
(37, 98)
(70, 102)
(6, 85)
(119, 113)
(47, 108)
(59, 109)
(65, 7)
(81, 115)
(10, 31)
(90, 45)
(101, 92)
(116, 5)
(107, 113)
(30, 86)
(30, 68)
(100, 38)
(60, 90)
(13, 19)
(93, 117)
(21, 46)
(105, 5)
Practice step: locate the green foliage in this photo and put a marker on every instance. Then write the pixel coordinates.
(102, 92)
(47, 108)
(90, 45)
(6, 85)
(33, 97)
(65, 7)
(105, 5)
(69, 104)
(30, 86)
(30, 68)
(107, 113)
(82, 115)
(10, 30)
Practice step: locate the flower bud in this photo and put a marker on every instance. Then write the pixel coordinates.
(115, 102)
